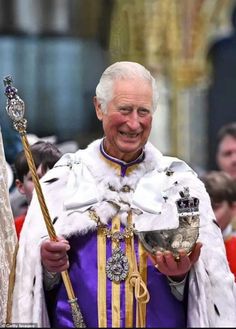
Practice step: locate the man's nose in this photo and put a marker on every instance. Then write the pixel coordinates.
(133, 120)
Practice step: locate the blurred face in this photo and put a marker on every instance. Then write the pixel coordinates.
(26, 187)
(224, 213)
(226, 155)
(128, 119)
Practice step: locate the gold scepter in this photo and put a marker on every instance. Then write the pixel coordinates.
(15, 108)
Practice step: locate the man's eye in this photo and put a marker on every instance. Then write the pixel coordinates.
(143, 112)
(125, 110)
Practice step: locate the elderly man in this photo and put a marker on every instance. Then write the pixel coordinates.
(102, 200)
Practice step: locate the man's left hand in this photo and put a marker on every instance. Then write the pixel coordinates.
(176, 269)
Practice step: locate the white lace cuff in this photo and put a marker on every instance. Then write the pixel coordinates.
(50, 279)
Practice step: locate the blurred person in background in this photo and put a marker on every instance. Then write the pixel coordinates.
(222, 190)
(45, 155)
(18, 200)
(226, 153)
(226, 149)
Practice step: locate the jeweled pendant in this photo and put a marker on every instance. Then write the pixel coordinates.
(15, 108)
(117, 267)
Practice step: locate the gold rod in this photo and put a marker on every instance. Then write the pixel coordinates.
(76, 313)
(15, 109)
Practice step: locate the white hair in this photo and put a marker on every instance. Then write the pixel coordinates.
(123, 70)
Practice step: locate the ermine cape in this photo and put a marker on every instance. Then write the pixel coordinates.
(82, 181)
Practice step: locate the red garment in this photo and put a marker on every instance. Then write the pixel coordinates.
(19, 221)
(230, 246)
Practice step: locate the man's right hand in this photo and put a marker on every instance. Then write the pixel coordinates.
(54, 255)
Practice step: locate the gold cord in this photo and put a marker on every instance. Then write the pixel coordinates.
(140, 289)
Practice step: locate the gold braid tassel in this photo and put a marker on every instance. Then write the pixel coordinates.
(140, 290)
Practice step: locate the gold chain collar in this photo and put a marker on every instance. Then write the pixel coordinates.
(116, 236)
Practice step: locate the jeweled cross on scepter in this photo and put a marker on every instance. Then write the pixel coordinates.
(16, 108)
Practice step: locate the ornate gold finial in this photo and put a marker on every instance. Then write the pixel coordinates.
(15, 106)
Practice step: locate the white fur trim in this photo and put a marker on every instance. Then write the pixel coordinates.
(211, 282)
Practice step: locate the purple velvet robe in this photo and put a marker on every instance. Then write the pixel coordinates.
(163, 309)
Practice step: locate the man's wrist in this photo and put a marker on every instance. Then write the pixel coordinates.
(50, 279)
(177, 279)
(177, 287)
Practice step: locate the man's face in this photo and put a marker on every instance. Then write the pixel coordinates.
(128, 120)
(226, 155)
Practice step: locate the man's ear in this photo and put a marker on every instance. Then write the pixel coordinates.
(20, 186)
(98, 109)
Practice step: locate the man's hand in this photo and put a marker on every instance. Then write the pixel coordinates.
(166, 263)
(54, 255)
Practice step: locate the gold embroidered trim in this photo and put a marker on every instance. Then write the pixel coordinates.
(115, 285)
(129, 296)
(101, 259)
(143, 272)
